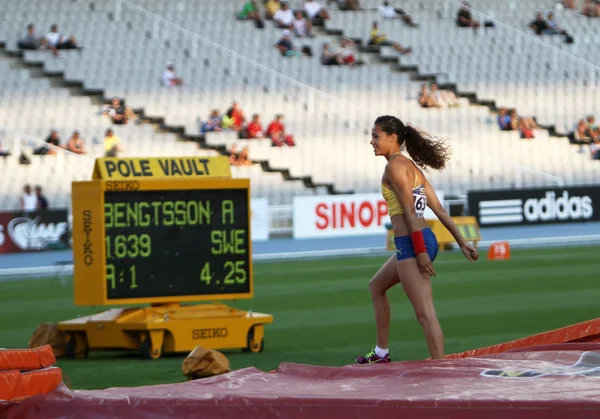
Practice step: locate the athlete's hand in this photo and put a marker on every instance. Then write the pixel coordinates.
(425, 265)
(470, 252)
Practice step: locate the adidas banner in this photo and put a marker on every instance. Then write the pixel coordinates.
(535, 206)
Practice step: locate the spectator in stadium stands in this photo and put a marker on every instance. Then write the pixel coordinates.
(347, 4)
(3, 152)
(347, 55)
(504, 120)
(389, 12)
(271, 7)
(591, 8)
(553, 27)
(249, 11)
(285, 45)
(539, 24)
(243, 157)
(239, 158)
(380, 39)
(31, 41)
(314, 10)
(328, 57)
(57, 40)
(464, 19)
(75, 144)
(53, 139)
(234, 118)
(227, 122)
(525, 124)
(233, 152)
(542, 26)
(302, 26)
(581, 132)
(254, 128)
(169, 76)
(306, 51)
(592, 130)
(112, 144)
(213, 124)
(569, 4)
(429, 96)
(42, 201)
(118, 113)
(512, 122)
(28, 201)
(442, 98)
(424, 95)
(276, 131)
(284, 17)
(592, 135)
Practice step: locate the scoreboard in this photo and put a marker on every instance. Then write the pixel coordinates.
(161, 231)
(176, 243)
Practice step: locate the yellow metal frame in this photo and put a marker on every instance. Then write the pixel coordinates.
(88, 236)
(167, 329)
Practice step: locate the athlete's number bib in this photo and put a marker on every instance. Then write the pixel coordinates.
(420, 201)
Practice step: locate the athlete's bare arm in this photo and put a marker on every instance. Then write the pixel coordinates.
(436, 206)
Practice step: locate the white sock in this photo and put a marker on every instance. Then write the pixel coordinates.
(380, 352)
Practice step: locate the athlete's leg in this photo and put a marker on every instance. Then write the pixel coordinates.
(418, 290)
(383, 280)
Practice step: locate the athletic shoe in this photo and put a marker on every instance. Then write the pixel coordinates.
(372, 358)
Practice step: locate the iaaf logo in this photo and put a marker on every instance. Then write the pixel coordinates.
(549, 208)
(30, 234)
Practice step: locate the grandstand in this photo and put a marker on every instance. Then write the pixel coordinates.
(126, 44)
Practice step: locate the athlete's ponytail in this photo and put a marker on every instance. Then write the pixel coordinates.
(424, 149)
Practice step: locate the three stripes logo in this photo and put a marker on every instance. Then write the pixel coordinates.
(501, 211)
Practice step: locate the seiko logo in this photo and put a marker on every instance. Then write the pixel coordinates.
(210, 333)
(88, 251)
(562, 208)
(122, 185)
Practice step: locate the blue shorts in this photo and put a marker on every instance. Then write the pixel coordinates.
(405, 250)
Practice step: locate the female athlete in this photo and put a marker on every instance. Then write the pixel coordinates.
(408, 192)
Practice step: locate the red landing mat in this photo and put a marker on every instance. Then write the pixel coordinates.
(550, 382)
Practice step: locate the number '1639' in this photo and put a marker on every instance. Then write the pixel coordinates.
(130, 246)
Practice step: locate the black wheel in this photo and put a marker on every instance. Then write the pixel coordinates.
(76, 347)
(146, 350)
(253, 347)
